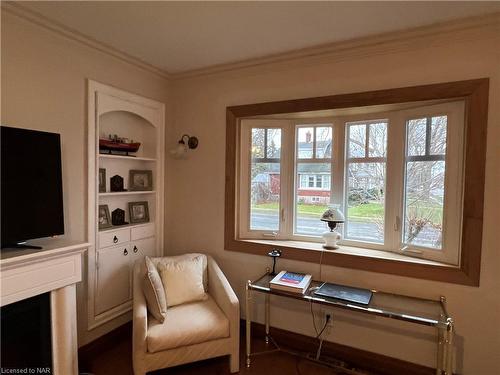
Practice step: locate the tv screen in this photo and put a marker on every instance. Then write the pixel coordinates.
(32, 197)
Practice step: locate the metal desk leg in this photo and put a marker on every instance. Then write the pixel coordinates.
(248, 321)
(440, 358)
(268, 314)
(448, 343)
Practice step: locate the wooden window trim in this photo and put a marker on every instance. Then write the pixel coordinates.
(475, 94)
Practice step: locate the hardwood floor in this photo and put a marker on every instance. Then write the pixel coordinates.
(113, 356)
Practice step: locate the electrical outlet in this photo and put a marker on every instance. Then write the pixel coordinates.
(329, 319)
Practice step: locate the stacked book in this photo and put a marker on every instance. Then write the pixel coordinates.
(291, 282)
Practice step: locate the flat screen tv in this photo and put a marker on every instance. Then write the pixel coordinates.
(32, 195)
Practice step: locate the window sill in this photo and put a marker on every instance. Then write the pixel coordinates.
(358, 258)
(354, 251)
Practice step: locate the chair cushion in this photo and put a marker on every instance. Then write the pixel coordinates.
(183, 281)
(187, 324)
(154, 292)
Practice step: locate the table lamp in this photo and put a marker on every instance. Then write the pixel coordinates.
(332, 216)
(274, 253)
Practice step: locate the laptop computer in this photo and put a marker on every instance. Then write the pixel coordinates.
(346, 293)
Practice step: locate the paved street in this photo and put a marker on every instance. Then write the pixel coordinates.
(311, 225)
(266, 219)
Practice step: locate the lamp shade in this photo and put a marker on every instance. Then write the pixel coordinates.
(179, 151)
(333, 214)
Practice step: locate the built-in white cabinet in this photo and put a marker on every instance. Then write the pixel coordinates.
(115, 248)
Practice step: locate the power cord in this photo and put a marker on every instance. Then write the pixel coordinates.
(321, 264)
(319, 333)
(328, 317)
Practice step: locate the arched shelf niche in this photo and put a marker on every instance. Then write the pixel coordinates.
(130, 125)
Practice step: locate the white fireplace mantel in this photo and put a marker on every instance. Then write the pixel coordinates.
(56, 268)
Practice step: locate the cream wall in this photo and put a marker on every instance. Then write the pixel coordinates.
(196, 215)
(44, 87)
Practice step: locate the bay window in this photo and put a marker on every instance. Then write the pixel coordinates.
(405, 165)
(395, 174)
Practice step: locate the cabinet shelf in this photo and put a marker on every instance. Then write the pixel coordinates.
(124, 157)
(120, 193)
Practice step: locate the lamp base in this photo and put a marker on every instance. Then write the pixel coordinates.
(331, 239)
(330, 247)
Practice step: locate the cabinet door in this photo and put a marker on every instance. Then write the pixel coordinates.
(141, 248)
(113, 277)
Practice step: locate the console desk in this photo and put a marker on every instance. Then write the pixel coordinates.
(410, 309)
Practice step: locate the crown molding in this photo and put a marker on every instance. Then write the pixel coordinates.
(21, 11)
(393, 41)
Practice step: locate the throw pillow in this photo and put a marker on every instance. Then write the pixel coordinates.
(180, 258)
(183, 281)
(154, 292)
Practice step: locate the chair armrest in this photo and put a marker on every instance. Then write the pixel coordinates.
(140, 312)
(220, 290)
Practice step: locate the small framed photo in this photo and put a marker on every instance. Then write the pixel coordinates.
(140, 180)
(102, 180)
(139, 212)
(104, 217)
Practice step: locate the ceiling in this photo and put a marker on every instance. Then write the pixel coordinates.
(183, 36)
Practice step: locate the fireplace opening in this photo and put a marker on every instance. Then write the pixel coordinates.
(26, 336)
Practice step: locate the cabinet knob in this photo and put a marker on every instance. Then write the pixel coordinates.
(136, 249)
(115, 239)
(125, 252)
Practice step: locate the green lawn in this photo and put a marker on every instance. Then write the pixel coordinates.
(370, 211)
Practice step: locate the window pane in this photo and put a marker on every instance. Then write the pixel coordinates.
(305, 143)
(365, 200)
(324, 142)
(265, 196)
(303, 181)
(273, 143)
(258, 136)
(416, 136)
(312, 201)
(438, 135)
(326, 181)
(377, 140)
(424, 193)
(357, 141)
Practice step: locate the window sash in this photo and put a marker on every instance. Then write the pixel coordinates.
(314, 124)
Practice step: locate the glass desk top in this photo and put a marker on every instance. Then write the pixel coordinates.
(411, 309)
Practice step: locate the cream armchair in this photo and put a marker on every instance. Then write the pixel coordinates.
(190, 332)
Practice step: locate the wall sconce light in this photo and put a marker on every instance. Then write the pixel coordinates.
(185, 143)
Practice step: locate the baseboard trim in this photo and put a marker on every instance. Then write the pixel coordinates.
(361, 359)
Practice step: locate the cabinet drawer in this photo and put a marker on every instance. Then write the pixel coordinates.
(113, 237)
(143, 231)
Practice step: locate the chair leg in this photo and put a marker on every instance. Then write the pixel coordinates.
(234, 363)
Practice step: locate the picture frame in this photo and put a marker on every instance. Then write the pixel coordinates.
(138, 212)
(104, 217)
(102, 180)
(140, 180)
